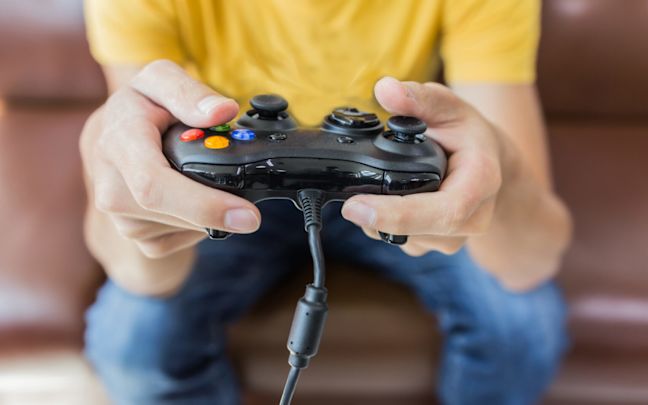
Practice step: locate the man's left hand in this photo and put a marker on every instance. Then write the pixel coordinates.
(464, 205)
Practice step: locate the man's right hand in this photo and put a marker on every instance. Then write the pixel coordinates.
(143, 216)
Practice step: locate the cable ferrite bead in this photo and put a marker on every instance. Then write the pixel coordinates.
(307, 326)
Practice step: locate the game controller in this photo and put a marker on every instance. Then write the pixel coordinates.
(267, 156)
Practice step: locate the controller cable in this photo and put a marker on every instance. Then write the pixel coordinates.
(310, 314)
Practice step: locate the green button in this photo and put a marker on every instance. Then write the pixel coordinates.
(221, 128)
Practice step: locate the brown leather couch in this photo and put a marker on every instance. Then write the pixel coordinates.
(594, 84)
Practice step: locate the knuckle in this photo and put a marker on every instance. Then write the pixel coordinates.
(451, 247)
(168, 244)
(144, 190)
(156, 248)
(107, 201)
(414, 250)
(130, 229)
(116, 101)
(490, 170)
(89, 133)
(457, 217)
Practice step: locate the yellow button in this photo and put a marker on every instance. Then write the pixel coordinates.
(216, 142)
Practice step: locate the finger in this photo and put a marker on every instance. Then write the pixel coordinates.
(139, 229)
(372, 233)
(111, 196)
(421, 245)
(470, 184)
(191, 101)
(433, 103)
(133, 148)
(168, 244)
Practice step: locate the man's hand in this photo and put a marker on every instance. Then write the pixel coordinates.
(496, 197)
(465, 203)
(135, 197)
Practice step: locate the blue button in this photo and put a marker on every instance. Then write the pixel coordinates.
(243, 134)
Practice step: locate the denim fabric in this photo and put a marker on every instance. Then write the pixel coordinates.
(500, 347)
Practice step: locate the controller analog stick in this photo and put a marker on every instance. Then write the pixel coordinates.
(269, 106)
(406, 129)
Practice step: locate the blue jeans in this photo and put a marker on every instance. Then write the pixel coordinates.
(500, 347)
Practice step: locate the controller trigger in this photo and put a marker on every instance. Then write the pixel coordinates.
(215, 234)
(393, 239)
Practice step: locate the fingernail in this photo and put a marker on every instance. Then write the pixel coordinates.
(207, 104)
(359, 213)
(241, 219)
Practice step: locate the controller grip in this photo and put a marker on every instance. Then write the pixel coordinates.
(393, 239)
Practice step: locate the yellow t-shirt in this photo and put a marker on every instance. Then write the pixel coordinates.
(320, 54)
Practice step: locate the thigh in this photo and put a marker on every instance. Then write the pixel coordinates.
(175, 337)
(447, 284)
(230, 275)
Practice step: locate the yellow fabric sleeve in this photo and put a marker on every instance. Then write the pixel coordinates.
(132, 31)
(490, 40)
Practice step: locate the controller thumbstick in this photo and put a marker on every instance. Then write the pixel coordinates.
(269, 106)
(406, 129)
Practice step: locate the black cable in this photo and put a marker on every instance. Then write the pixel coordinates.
(289, 388)
(310, 313)
(311, 201)
(315, 245)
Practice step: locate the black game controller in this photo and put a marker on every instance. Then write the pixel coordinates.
(268, 156)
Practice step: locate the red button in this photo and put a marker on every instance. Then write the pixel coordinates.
(192, 135)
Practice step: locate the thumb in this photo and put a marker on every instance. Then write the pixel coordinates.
(433, 103)
(187, 99)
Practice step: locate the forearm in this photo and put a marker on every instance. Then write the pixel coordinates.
(530, 229)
